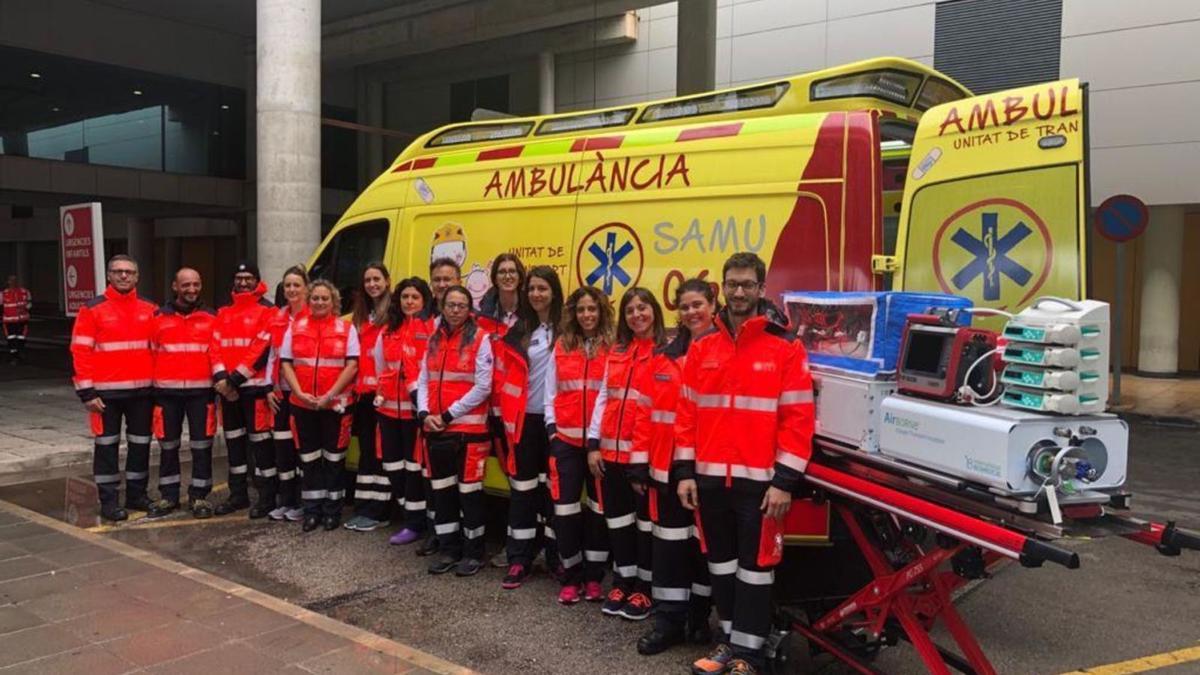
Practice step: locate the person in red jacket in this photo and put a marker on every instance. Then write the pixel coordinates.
(502, 306)
(611, 456)
(399, 352)
(372, 490)
(241, 342)
(744, 426)
(294, 288)
(110, 348)
(452, 404)
(523, 357)
(17, 303)
(573, 380)
(680, 586)
(319, 359)
(183, 379)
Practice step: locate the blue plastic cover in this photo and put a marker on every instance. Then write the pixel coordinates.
(860, 332)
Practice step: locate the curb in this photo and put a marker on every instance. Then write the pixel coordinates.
(321, 622)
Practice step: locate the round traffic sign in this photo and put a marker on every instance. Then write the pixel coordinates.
(1121, 218)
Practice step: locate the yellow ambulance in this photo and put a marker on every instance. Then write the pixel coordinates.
(878, 174)
(881, 173)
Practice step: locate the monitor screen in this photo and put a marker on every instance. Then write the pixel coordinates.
(924, 354)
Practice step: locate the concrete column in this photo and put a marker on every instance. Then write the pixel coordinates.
(139, 236)
(1158, 332)
(246, 244)
(696, 55)
(288, 94)
(546, 83)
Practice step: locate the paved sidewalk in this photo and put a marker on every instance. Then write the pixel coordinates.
(44, 432)
(75, 602)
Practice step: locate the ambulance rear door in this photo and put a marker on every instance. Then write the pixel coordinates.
(995, 198)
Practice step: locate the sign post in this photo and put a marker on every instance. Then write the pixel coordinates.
(81, 232)
(1120, 218)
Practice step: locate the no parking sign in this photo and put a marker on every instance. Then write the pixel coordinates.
(1121, 218)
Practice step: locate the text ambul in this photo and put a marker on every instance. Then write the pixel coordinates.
(1012, 109)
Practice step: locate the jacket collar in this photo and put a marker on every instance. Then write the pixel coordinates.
(112, 293)
(251, 297)
(765, 313)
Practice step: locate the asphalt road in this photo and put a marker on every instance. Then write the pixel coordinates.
(1125, 602)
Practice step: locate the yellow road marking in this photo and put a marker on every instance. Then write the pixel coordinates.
(1146, 663)
(171, 521)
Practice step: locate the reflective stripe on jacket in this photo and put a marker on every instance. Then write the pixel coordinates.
(451, 371)
(654, 417)
(367, 380)
(746, 408)
(320, 352)
(278, 326)
(16, 304)
(402, 350)
(182, 346)
(110, 345)
(510, 379)
(578, 379)
(242, 338)
(616, 403)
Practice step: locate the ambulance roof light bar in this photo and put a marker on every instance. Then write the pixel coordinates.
(477, 133)
(895, 86)
(749, 98)
(591, 120)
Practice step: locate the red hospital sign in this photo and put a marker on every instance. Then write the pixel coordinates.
(82, 235)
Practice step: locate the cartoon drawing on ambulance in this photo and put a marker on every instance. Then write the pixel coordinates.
(449, 241)
(478, 281)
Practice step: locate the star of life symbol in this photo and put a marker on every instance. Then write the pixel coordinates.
(608, 258)
(990, 256)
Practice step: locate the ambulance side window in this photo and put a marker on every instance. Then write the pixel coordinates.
(343, 258)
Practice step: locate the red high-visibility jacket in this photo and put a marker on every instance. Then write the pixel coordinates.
(510, 380)
(402, 351)
(368, 380)
(182, 346)
(17, 302)
(110, 346)
(278, 326)
(242, 338)
(654, 416)
(578, 379)
(746, 409)
(451, 374)
(611, 428)
(320, 350)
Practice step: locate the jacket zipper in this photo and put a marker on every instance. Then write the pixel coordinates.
(317, 362)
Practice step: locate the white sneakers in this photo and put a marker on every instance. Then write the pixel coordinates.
(287, 513)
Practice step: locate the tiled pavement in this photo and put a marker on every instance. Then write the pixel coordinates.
(75, 602)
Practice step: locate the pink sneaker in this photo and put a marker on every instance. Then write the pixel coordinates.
(593, 591)
(569, 594)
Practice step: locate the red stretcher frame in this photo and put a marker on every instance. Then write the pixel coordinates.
(920, 593)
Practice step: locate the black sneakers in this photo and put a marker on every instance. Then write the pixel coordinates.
(232, 504)
(113, 512)
(161, 508)
(468, 567)
(443, 564)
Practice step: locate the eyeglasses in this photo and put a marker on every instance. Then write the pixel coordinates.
(456, 306)
(507, 273)
(122, 273)
(733, 286)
